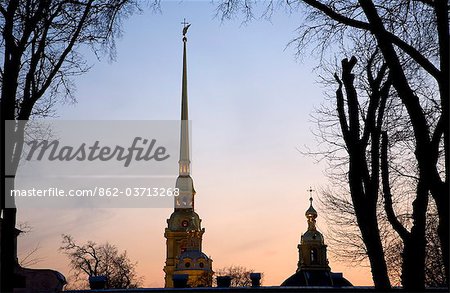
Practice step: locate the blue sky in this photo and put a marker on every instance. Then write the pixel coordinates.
(250, 102)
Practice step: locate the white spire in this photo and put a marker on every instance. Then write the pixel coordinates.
(184, 162)
(185, 185)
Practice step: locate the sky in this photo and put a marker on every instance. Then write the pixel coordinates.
(250, 102)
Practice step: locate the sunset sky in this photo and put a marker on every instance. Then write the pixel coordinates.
(250, 102)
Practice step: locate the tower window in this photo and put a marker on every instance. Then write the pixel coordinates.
(201, 265)
(313, 255)
(183, 245)
(187, 264)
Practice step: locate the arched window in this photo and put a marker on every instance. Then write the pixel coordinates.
(313, 255)
(183, 245)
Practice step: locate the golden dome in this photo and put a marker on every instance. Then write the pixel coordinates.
(311, 215)
(311, 235)
(311, 212)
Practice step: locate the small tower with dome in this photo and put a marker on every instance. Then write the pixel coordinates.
(312, 266)
(312, 249)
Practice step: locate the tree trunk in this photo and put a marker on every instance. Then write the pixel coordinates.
(8, 260)
(413, 274)
(423, 150)
(10, 75)
(372, 241)
(365, 210)
(8, 229)
(363, 185)
(413, 268)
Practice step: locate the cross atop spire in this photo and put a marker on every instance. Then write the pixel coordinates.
(311, 213)
(186, 26)
(184, 23)
(310, 190)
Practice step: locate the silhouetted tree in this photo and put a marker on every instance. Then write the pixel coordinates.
(365, 116)
(30, 257)
(360, 139)
(40, 51)
(92, 259)
(413, 39)
(240, 276)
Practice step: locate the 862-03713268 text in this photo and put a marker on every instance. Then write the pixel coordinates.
(97, 191)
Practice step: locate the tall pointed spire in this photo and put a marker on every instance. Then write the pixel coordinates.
(185, 185)
(184, 231)
(184, 162)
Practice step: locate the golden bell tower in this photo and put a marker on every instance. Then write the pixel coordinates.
(312, 267)
(312, 249)
(184, 221)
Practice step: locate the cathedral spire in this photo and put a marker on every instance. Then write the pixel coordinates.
(184, 162)
(185, 185)
(184, 232)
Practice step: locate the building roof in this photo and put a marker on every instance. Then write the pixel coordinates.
(316, 278)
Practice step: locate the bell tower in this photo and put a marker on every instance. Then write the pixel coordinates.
(312, 249)
(312, 266)
(184, 220)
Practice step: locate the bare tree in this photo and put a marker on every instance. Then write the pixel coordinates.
(412, 36)
(363, 172)
(346, 244)
(92, 259)
(363, 150)
(40, 52)
(29, 257)
(413, 40)
(240, 276)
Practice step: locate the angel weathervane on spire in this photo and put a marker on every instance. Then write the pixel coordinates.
(186, 26)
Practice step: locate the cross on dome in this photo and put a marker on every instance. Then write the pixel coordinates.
(311, 213)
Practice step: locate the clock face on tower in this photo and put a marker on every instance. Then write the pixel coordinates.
(185, 223)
